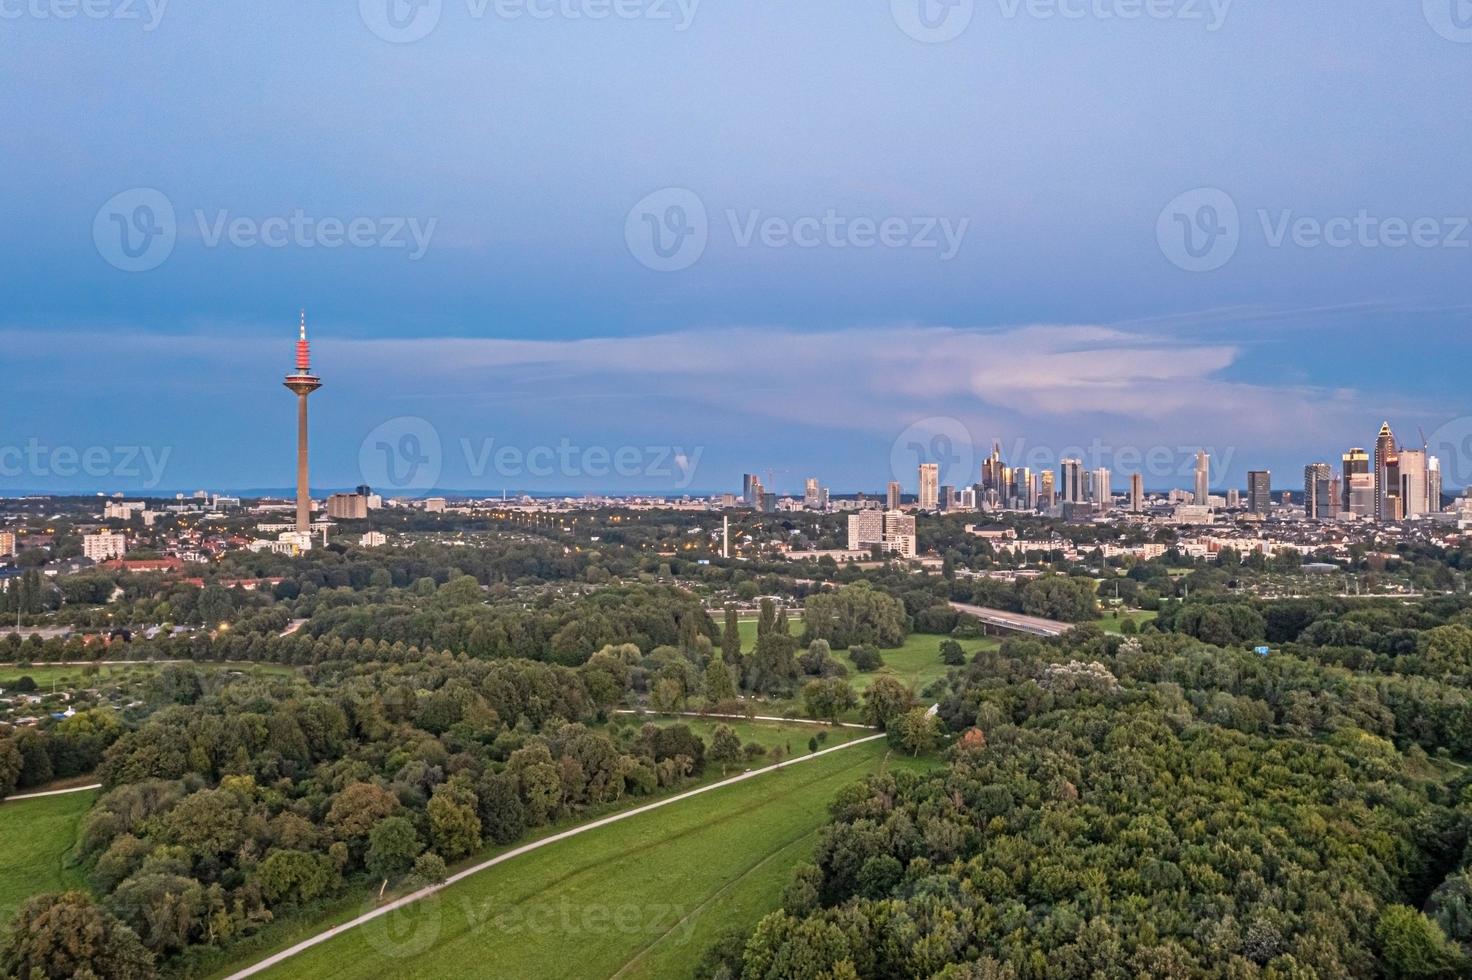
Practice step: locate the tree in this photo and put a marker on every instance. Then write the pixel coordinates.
(11, 764)
(951, 653)
(357, 809)
(67, 935)
(502, 816)
(828, 698)
(392, 847)
(1071, 600)
(768, 619)
(725, 746)
(719, 684)
(917, 730)
(854, 614)
(886, 700)
(731, 638)
(865, 658)
(429, 869)
(454, 826)
(297, 876)
(1411, 945)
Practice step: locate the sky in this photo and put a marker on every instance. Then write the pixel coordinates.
(651, 245)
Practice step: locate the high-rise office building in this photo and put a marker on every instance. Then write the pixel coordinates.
(1103, 489)
(751, 490)
(1386, 485)
(1260, 491)
(993, 476)
(929, 486)
(896, 494)
(812, 494)
(1047, 495)
(1317, 494)
(1433, 485)
(1022, 491)
(1202, 495)
(1071, 478)
(1356, 462)
(1234, 498)
(1137, 493)
(1414, 499)
(1362, 495)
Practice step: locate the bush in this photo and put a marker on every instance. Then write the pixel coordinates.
(429, 869)
(866, 658)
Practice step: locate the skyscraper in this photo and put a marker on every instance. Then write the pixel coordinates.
(1385, 485)
(1137, 493)
(1022, 493)
(896, 493)
(993, 476)
(1413, 484)
(302, 384)
(1433, 484)
(812, 494)
(1317, 497)
(1356, 462)
(1260, 491)
(929, 486)
(1103, 490)
(1071, 474)
(1202, 496)
(1047, 495)
(751, 490)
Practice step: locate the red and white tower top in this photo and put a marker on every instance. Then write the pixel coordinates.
(303, 381)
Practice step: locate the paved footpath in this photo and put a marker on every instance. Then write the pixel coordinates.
(51, 792)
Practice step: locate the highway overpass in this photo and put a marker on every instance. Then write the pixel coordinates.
(1016, 622)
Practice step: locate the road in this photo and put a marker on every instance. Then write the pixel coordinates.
(382, 910)
(794, 721)
(1017, 622)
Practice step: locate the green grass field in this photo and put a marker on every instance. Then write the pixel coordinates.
(1113, 621)
(917, 662)
(36, 837)
(641, 898)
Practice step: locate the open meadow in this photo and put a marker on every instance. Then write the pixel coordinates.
(38, 836)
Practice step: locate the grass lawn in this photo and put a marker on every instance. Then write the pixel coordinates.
(1113, 622)
(37, 837)
(917, 662)
(641, 898)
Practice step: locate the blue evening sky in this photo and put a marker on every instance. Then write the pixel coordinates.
(1067, 146)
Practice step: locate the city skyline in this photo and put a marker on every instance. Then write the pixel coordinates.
(497, 289)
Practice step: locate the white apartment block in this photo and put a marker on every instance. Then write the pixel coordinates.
(104, 545)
